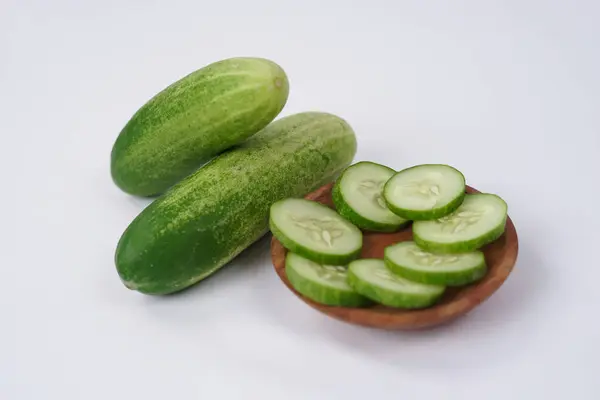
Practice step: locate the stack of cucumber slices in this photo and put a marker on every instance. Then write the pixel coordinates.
(449, 227)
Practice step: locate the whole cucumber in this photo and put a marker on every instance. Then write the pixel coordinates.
(207, 219)
(194, 119)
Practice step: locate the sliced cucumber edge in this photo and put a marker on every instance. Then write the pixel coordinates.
(425, 215)
(329, 296)
(321, 258)
(444, 278)
(361, 222)
(388, 297)
(460, 246)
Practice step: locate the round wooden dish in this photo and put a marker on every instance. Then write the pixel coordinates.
(500, 257)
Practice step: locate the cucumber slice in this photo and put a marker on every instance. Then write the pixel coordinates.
(315, 231)
(372, 279)
(325, 284)
(411, 262)
(425, 192)
(479, 220)
(357, 196)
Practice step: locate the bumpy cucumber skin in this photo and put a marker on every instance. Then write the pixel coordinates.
(461, 246)
(387, 297)
(328, 296)
(444, 278)
(347, 212)
(425, 215)
(321, 258)
(207, 219)
(194, 119)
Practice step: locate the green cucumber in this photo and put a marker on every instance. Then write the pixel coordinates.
(372, 279)
(206, 220)
(324, 284)
(357, 196)
(425, 192)
(481, 219)
(194, 119)
(315, 231)
(411, 262)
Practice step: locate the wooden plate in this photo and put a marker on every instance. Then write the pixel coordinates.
(500, 257)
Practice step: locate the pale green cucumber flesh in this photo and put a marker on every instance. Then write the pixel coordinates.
(210, 217)
(357, 196)
(324, 284)
(193, 120)
(480, 220)
(315, 231)
(425, 192)
(372, 279)
(413, 263)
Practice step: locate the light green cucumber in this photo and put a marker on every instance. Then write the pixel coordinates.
(194, 119)
(207, 219)
(479, 220)
(324, 284)
(315, 231)
(357, 196)
(413, 263)
(372, 279)
(425, 192)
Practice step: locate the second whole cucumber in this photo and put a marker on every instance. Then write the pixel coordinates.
(211, 216)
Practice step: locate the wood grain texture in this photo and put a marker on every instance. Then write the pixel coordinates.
(500, 256)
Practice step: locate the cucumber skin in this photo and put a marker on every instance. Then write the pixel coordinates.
(207, 219)
(330, 297)
(459, 247)
(194, 119)
(447, 278)
(389, 298)
(363, 223)
(426, 215)
(330, 259)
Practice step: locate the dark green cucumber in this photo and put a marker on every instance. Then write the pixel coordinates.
(207, 219)
(194, 119)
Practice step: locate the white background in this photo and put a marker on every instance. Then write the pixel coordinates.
(508, 92)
